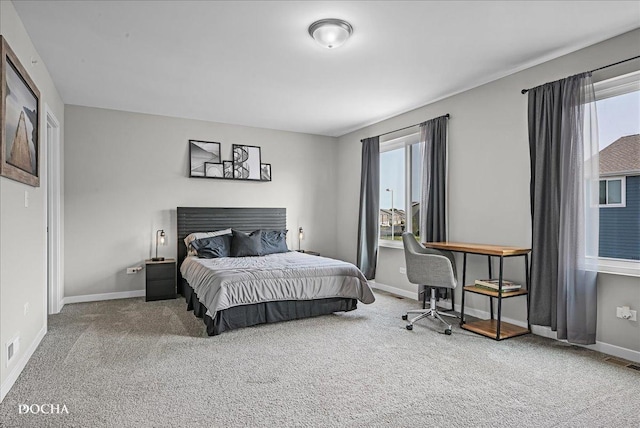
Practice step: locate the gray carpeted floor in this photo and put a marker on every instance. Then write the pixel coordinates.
(127, 363)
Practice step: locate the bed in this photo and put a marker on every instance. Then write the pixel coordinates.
(236, 292)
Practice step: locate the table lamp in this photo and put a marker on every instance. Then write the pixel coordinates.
(160, 238)
(300, 237)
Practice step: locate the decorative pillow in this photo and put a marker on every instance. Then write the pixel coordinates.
(199, 235)
(274, 241)
(213, 247)
(243, 244)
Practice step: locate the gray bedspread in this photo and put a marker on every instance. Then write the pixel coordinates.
(232, 281)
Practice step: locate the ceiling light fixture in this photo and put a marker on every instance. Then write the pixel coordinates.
(330, 33)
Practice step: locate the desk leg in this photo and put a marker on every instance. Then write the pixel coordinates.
(528, 285)
(424, 296)
(464, 278)
(453, 300)
(499, 299)
(490, 298)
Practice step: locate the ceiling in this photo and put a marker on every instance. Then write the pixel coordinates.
(254, 64)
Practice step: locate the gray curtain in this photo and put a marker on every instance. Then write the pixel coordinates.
(369, 207)
(433, 202)
(564, 221)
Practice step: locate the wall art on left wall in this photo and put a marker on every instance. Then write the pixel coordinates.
(19, 120)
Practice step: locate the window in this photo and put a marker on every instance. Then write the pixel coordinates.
(618, 109)
(612, 192)
(399, 189)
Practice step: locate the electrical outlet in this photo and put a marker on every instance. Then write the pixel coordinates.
(12, 348)
(132, 270)
(626, 313)
(403, 269)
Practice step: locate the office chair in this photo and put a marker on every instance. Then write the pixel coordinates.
(430, 268)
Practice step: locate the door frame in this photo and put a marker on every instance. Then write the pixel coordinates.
(54, 216)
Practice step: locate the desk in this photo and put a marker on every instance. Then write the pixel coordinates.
(495, 329)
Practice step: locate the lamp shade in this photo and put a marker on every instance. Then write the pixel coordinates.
(330, 33)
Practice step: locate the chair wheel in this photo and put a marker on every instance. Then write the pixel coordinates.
(409, 327)
(448, 332)
(405, 317)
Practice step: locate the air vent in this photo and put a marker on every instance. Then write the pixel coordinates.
(622, 363)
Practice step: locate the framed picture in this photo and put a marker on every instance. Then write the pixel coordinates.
(265, 171)
(201, 153)
(227, 167)
(213, 170)
(19, 120)
(246, 162)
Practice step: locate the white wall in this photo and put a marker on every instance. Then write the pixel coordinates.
(489, 179)
(125, 174)
(23, 230)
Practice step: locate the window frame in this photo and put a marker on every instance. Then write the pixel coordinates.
(404, 142)
(609, 88)
(615, 266)
(623, 191)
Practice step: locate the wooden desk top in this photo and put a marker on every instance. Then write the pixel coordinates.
(485, 249)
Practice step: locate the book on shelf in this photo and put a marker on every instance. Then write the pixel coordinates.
(495, 290)
(493, 284)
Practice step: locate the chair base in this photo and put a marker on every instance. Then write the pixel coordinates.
(431, 312)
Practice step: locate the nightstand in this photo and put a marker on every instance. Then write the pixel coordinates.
(160, 279)
(311, 253)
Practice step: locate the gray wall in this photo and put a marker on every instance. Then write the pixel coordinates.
(125, 174)
(23, 241)
(489, 178)
(618, 290)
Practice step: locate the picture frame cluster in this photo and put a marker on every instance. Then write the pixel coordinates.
(205, 161)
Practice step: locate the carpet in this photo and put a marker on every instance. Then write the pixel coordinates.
(130, 363)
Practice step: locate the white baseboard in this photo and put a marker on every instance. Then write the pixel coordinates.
(395, 290)
(605, 348)
(406, 293)
(20, 365)
(103, 296)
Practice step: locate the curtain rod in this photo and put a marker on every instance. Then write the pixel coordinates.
(524, 91)
(410, 126)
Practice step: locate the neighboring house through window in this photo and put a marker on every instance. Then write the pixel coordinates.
(618, 108)
(399, 188)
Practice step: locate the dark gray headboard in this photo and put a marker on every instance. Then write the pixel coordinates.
(200, 219)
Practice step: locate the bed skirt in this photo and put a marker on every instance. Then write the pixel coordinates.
(262, 313)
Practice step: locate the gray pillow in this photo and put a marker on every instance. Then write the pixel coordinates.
(199, 235)
(213, 247)
(274, 241)
(244, 245)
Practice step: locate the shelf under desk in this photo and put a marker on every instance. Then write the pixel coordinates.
(489, 328)
(491, 293)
